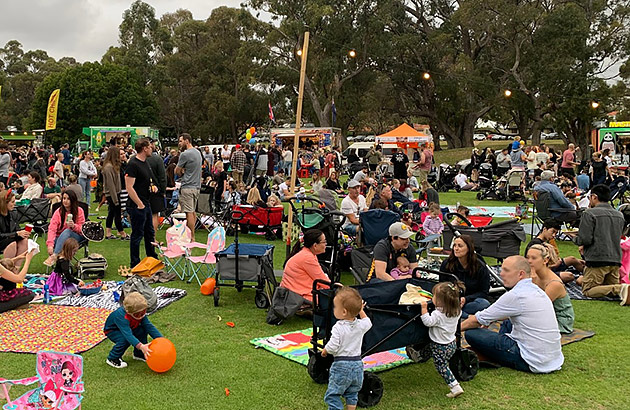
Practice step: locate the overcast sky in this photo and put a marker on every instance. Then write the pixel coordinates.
(83, 29)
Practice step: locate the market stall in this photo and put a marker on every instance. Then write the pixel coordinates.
(309, 137)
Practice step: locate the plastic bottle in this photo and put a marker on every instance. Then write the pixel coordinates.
(46, 294)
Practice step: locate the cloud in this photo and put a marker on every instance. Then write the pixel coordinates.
(83, 29)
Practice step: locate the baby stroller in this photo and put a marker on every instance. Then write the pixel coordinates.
(485, 175)
(625, 210)
(446, 178)
(618, 190)
(497, 190)
(311, 213)
(514, 185)
(393, 326)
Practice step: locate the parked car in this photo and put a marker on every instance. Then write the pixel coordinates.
(479, 137)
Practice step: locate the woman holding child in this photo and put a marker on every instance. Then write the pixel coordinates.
(66, 223)
(463, 263)
(12, 296)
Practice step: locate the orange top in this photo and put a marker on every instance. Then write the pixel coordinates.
(300, 272)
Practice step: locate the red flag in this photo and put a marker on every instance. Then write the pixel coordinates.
(271, 116)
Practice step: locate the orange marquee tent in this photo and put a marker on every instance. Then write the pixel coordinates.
(405, 136)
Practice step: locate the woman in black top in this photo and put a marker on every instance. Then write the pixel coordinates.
(219, 176)
(464, 264)
(600, 169)
(12, 240)
(11, 296)
(333, 184)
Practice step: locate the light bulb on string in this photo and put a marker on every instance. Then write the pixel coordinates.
(594, 105)
(352, 53)
(426, 76)
(507, 93)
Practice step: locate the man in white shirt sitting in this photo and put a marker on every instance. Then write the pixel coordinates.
(530, 340)
(462, 180)
(351, 205)
(283, 189)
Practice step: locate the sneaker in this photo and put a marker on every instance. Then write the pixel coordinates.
(117, 363)
(125, 238)
(624, 294)
(141, 358)
(455, 391)
(50, 261)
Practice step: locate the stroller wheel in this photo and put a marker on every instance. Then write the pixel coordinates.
(372, 390)
(464, 364)
(319, 367)
(261, 300)
(216, 296)
(417, 353)
(479, 195)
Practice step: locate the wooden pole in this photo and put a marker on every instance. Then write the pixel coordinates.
(296, 139)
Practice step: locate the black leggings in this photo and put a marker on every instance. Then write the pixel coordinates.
(113, 215)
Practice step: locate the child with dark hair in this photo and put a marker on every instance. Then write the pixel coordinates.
(346, 372)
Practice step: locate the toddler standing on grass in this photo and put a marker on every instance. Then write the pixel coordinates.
(346, 372)
(129, 326)
(442, 324)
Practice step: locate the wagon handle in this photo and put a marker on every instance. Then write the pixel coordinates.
(452, 278)
(237, 215)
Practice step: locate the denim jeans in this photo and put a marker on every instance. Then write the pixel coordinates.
(121, 344)
(141, 227)
(85, 184)
(346, 379)
(67, 233)
(473, 307)
(497, 347)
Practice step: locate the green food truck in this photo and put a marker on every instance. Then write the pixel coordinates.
(103, 135)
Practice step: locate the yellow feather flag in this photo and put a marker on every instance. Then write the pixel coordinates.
(51, 112)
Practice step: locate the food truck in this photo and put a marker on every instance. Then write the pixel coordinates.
(614, 137)
(103, 135)
(309, 136)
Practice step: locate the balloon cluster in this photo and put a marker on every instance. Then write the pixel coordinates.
(250, 135)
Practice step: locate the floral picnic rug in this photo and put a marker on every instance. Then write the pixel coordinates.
(294, 346)
(52, 327)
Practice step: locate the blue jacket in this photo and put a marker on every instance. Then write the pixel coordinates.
(117, 321)
(556, 197)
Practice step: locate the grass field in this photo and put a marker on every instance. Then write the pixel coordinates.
(213, 357)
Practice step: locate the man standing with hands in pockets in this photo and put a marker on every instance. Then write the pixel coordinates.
(139, 182)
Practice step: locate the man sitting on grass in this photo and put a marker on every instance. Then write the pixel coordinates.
(529, 339)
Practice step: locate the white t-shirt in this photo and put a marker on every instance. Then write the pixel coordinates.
(348, 206)
(347, 336)
(359, 176)
(542, 158)
(531, 160)
(461, 180)
(281, 188)
(441, 327)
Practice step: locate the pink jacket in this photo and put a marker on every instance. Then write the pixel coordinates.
(624, 270)
(55, 228)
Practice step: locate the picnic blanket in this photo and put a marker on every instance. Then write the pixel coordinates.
(51, 327)
(575, 293)
(294, 346)
(495, 211)
(575, 336)
(105, 299)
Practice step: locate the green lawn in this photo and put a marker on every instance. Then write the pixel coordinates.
(213, 357)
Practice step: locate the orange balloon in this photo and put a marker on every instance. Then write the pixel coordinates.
(208, 286)
(252, 130)
(163, 355)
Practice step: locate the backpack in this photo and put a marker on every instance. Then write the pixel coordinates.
(140, 285)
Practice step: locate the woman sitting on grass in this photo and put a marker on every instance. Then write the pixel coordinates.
(539, 258)
(66, 223)
(303, 268)
(333, 184)
(11, 296)
(463, 263)
(13, 240)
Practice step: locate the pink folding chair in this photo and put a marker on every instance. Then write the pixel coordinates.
(60, 386)
(174, 253)
(215, 243)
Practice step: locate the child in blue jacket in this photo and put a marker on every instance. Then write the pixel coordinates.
(129, 326)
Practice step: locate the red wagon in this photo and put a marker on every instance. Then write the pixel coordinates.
(261, 219)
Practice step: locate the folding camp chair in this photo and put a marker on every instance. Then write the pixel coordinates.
(374, 224)
(204, 212)
(215, 243)
(174, 253)
(36, 213)
(60, 385)
(541, 212)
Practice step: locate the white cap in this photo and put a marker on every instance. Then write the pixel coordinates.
(400, 230)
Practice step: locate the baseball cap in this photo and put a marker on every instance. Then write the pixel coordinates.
(238, 146)
(400, 230)
(546, 175)
(353, 183)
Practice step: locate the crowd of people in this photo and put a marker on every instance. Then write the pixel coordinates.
(140, 182)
